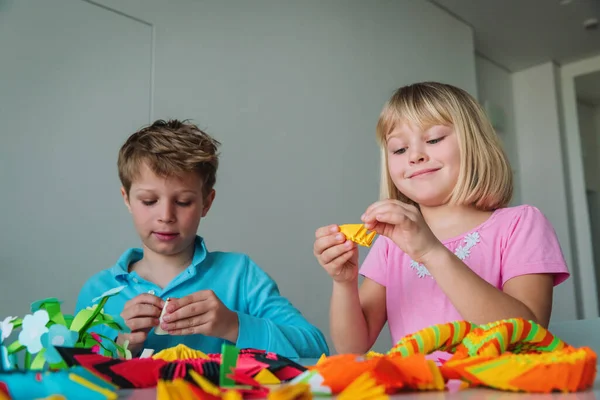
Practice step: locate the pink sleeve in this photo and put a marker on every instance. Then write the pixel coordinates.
(533, 248)
(374, 266)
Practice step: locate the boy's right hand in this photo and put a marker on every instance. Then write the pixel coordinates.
(141, 314)
(336, 254)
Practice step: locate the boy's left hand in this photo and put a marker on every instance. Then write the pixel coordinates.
(404, 224)
(201, 313)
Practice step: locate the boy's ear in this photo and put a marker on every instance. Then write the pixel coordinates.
(125, 198)
(208, 202)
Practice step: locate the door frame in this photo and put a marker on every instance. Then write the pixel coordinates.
(578, 207)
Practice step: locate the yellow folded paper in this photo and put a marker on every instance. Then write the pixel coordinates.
(298, 391)
(266, 377)
(179, 352)
(358, 234)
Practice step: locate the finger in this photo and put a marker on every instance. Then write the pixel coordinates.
(389, 202)
(410, 208)
(326, 230)
(377, 204)
(185, 324)
(404, 209)
(176, 304)
(147, 298)
(334, 252)
(337, 266)
(389, 208)
(327, 242)
(195, 330)
(138, 324)
(381, 228)
(200, 326)
(141, 310)
(135, 337)
(373, 224)
(188, 311)
(369, 216)
(394, 218)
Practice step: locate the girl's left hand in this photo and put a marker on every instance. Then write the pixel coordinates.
(404, 225)
(201, 313)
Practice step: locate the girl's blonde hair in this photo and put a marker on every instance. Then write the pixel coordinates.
(485, 179)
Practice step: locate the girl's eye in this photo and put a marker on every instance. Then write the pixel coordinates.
(148, 202)
(400, 151)
(434, 141)
(184, 203)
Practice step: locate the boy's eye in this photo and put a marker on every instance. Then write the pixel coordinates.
(400, 151)
(148, 202)
(184, 203)
(434, 141)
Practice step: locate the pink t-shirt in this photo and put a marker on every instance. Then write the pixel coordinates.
(513, 241)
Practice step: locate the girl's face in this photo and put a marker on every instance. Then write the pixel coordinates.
(424, 164)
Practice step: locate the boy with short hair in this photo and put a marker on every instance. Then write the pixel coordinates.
(168, 171)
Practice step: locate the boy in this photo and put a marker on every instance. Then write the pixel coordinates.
(167, 172)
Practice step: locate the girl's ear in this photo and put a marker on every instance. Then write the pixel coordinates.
(208, 202)
(125, 198)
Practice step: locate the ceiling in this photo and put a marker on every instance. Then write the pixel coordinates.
(517, 34)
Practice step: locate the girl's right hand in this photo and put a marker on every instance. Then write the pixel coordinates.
(336, 254)
(140, 314)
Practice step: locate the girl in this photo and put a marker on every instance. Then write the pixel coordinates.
(448, 248)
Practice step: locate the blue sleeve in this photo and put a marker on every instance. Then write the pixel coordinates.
(273, 323)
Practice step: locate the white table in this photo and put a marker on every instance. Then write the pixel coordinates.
(474, 394)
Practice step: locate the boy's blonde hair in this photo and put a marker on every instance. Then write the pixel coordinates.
(485, 179)
(169, 148)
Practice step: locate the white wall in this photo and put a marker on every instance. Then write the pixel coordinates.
(76, 79)
(292, 90)
(494, 86)
(541, 166)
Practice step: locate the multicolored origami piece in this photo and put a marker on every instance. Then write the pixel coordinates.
(64, 382)
(253, 369)
(444, 337)
(512, 354)
(509, 355)
(358, 234)
(47, 327)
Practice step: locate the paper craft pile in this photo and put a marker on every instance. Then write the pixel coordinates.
(71, 361)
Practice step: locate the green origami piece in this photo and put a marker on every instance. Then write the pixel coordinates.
(229, 357)
(81, 324)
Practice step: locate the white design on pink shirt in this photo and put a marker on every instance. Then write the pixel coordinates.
(462, 252)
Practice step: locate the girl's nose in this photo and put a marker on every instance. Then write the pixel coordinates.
(417, 156)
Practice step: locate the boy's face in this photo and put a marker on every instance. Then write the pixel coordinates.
(167, 211)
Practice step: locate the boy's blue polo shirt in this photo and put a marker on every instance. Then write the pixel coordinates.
(267, 320)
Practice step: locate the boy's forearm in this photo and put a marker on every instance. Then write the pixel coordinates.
(475, 299)
(348, 325)
(293, 339)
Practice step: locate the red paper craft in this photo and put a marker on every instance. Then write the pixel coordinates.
(141, 372)
(287, 373)
(242, 379)
(89, 361)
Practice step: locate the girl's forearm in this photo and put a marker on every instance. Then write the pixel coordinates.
(348, 325)
(475, 299)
